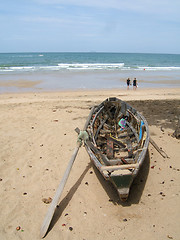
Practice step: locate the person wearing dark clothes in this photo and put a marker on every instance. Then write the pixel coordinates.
(128, 83)
(134, 84)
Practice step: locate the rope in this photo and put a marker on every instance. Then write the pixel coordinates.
(83, 136)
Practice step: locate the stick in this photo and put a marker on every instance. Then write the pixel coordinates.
(57, 196)
(163, 154)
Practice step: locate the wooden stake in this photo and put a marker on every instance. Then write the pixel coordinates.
(163, 154)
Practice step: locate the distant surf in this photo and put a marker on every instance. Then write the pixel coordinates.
(15, 62)
(90, 70)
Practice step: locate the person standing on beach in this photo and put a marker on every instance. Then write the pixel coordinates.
(134, 84)
(128, 83)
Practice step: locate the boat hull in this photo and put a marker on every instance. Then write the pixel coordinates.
(117, 153)
(122, 184)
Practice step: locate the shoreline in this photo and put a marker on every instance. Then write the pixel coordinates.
(138, 94)
(77, 80)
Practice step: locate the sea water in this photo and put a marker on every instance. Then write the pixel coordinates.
(92, 70)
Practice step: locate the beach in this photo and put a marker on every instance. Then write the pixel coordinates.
(58, 71)
(37, 141)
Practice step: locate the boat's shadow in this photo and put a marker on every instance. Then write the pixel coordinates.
(136, 189)
(65, 201)
(134, 196)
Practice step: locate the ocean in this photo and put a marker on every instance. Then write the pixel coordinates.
(92, 70)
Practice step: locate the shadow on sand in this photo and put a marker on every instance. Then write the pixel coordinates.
(63, 204)
(136, 189)
(134, 196)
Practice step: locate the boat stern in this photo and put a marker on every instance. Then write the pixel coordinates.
(122, 183)
(123, 194)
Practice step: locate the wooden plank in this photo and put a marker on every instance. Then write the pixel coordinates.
(109, 150)
(125, 166)
(129, 147)
(117, 141)
(120, 161)
(96, 151)
(133, 130)
(89, 118)
(123, 107)
(135, 117)
(99, 128)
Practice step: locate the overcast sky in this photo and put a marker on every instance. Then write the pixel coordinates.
(144, 26)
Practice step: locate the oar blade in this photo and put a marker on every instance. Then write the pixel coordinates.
(54, 203)
(47, 220)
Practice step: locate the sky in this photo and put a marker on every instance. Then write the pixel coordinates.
(132, 26)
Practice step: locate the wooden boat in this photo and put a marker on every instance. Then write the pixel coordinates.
(116, 137)
(118, 142)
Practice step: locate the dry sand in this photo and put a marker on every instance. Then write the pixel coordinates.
(37, 140)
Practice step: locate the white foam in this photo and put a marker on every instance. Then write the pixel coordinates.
(17, 69)
(91, 66)
(85, 67)
(52, 68)
(21, 68)
(159, 68)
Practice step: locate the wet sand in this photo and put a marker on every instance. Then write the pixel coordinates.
(84, 80)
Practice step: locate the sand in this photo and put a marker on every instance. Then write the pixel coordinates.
(37, 140)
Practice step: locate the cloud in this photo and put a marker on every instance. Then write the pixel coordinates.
(143, 6)
(61, 21)
(98, 24)
(39, 19)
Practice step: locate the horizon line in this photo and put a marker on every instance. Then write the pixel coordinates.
(87, 52)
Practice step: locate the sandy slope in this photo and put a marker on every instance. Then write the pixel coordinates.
(37, 140)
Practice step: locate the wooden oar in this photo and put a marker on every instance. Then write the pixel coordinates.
(57, 196)
(55, 201)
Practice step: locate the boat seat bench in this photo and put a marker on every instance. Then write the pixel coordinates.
(125, 166)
